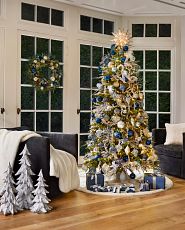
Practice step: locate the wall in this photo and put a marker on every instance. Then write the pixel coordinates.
(11, 27)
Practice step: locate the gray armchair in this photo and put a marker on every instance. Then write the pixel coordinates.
(171, 157)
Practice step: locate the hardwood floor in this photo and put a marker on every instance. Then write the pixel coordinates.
(81, 211)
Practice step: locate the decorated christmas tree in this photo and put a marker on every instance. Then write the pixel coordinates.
(25, 185)
(119, 139)
(40, 201)
(8, 203)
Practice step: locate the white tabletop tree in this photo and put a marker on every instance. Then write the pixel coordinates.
(41, 200)
(8, 203)
(24, 184)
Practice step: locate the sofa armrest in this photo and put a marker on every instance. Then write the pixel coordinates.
(39, 148)
(158, 136)
(62, 141)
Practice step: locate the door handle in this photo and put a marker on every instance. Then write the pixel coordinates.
(78, 111)
(18, 110)
(2, 110)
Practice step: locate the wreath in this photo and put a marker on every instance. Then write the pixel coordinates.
(45, 73)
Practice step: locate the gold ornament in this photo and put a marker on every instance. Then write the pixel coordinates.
(127, 150)
(121, 38)
(116, 84)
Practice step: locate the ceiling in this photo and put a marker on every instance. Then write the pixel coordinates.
(133, 7)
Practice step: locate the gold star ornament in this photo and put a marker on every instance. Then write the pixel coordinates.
(121, 38)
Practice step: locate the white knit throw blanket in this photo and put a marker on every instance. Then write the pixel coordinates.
(62, 164)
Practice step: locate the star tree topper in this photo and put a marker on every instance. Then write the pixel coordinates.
(121, 38)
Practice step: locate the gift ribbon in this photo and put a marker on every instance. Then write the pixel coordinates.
(154, 182)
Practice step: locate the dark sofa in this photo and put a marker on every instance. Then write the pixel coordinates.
(39, 147)
(171, 157)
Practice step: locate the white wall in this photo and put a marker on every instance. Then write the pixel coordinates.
(11, 27)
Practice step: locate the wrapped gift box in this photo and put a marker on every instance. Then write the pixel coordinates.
(144, 187)
(94, 179)
(155, 181)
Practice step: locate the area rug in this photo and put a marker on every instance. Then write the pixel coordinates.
(83, 188)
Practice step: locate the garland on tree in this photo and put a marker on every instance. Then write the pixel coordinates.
(119, 138)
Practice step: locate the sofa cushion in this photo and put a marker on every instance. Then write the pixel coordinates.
(169, 150)
(174, 133)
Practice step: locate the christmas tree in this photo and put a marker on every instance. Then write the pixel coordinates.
(8, 203)
(25, 185)
(119, 138)
(40, 201)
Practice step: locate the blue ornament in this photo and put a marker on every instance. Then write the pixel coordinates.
(96, 157)
(136, 105)
(113, 52)
(132, 176)
(125, 48)
(99, 99)
(118, 135)
(107, 78)
(148, 142)
(130, 133)
(122, 87)
(93, 99)
(123, 59)
(98, 120)
(33, 70)
(125, 158)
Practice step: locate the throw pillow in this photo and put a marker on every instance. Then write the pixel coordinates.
(174, 133)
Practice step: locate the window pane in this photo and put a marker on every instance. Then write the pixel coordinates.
(28, 12)
(57, 122)
(57, 99)
(57, 17)
(97, 25)
(106, 51)
(152, 121)
(137, 30)
(139, 57)
(62, 76)
(151, 80)
(27, 119)
(85, 77)
(163, 118)
(151, 59)
(164, 59)
(108, 27)
(25, 79)
(85, 23)
(164, 30)
(83, 139)
(95, 77)
(42, 99)
(42, 14)
(151, 30)
(85, 55)
(150, 101)
(97, 53)
(84, 122)
(27, 46)
(164, 81)
(140, 80)
(57, 50)
(42, 46)
(164, 102)
(27, 97)
(42, 121)
(85, 99)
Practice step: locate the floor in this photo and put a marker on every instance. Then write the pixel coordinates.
(81, 211)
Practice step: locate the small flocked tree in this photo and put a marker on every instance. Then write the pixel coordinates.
(40, 201)
(119, 137)
(8, 203)
(24, 184)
